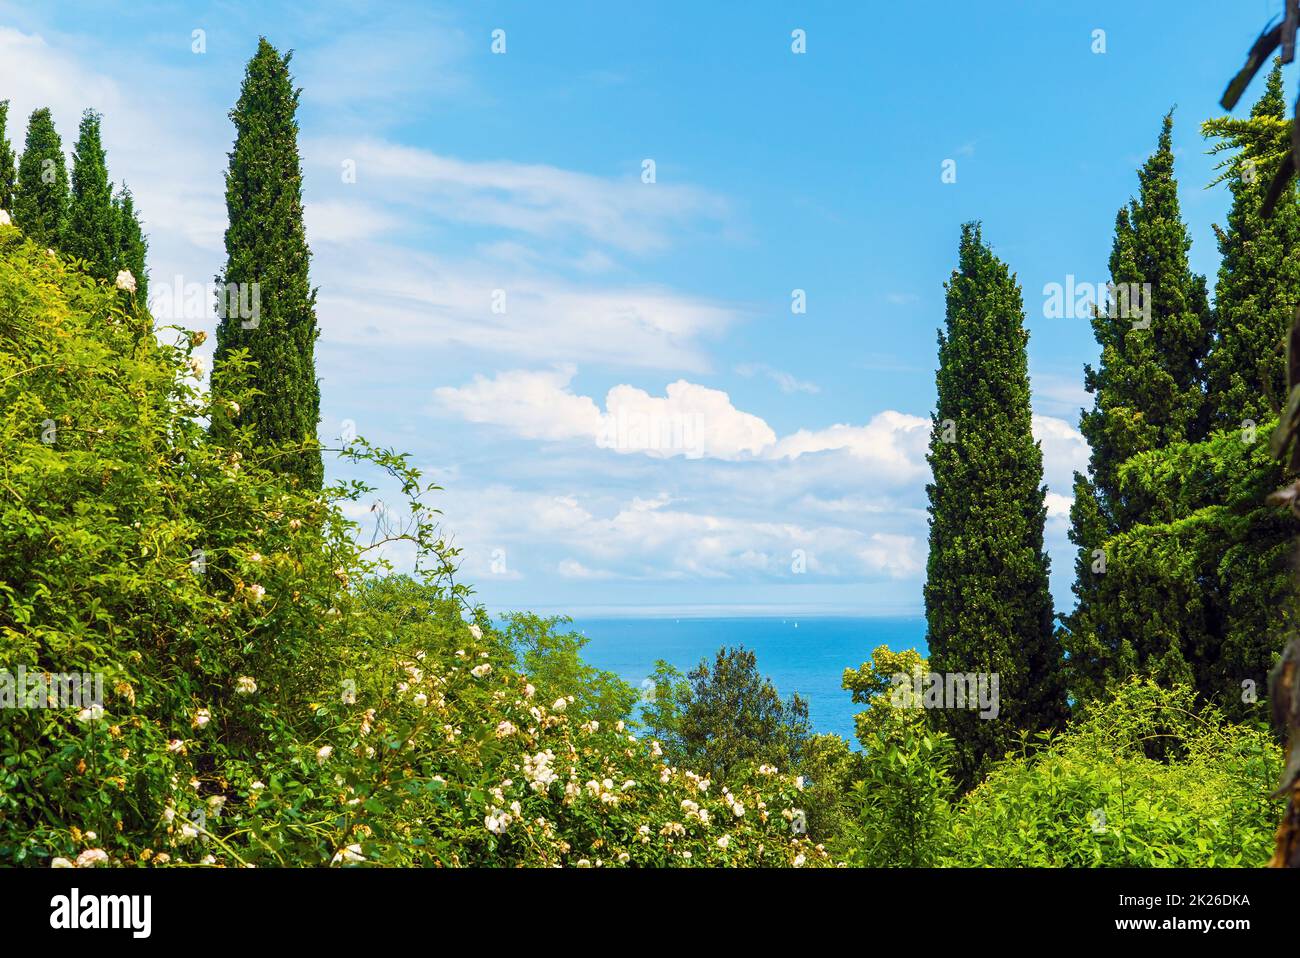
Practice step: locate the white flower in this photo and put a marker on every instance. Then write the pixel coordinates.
(724, 841)
(58, 862)
(125, 281)
(420, 700)
(624, 858)
(799, 860)
(767, 770)
(256, 787)
(245, 685)
(234, 411)
(255, 557)
(496, 821)
(189, 832)
(559, 705)
(201, 718)
(6, 221)
(798, 783)
(91, 857)
(351, 853)
(256, 591)
(196, 367)
(349, 696)
(529, 691)
(208, 860)
(738, 810)
(323, 753)
(176, 746)
(655, 750)
(92, 714)
(505, 729)
(475, 631)
(481, 670)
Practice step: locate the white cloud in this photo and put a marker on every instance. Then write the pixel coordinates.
(653, 539)
(689, 420)
(413, 300)
(1065, 452)
(893, 441)
(534, 405)
(785, 381)
(1058, 506)
(535, 199)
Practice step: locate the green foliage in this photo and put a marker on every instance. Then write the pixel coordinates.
(267, 263)
(1144, 780)
(902, 803)
(830, 770)
(41, 191)
(1197, 587)
(1259, 274)
(553, 662)
(8, 167)
(987, 602)
(1149, 394)
(726, 719)
(873, 684)
(271, 698)
(91, 233)
(131, 247)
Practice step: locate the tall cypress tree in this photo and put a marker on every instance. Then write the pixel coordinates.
(266, 251)
(129, 244)
(988, 607)
(92, 226)
(1259, 275)
(8, 169)
(41, 194)
(1149, 393)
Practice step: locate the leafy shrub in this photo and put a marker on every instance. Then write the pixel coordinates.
(272, 698)
(1144, 780)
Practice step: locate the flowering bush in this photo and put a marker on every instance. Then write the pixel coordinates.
(270, 698)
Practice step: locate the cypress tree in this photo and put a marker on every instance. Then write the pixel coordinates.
(988, 607)
(267, 262)
(41, 194)
(1149, 393)
(129, 244)
(1198, 587)
(8, 170)
(1259, 275)
(92, 225)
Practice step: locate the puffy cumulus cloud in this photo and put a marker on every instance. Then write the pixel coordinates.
(689, 420)
(534, 405)
(1058, 506)
(893, 441)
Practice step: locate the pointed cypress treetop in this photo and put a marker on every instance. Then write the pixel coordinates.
(1272, 101)
(1259, 273)
(988, 606)
(1148, 387)
(267, 261)
(8, 168)
(41, 195)
(91, 232)
(129, 244)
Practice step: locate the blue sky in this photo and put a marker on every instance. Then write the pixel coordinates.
(605, 373)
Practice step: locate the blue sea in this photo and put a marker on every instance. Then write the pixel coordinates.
(804, 655)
